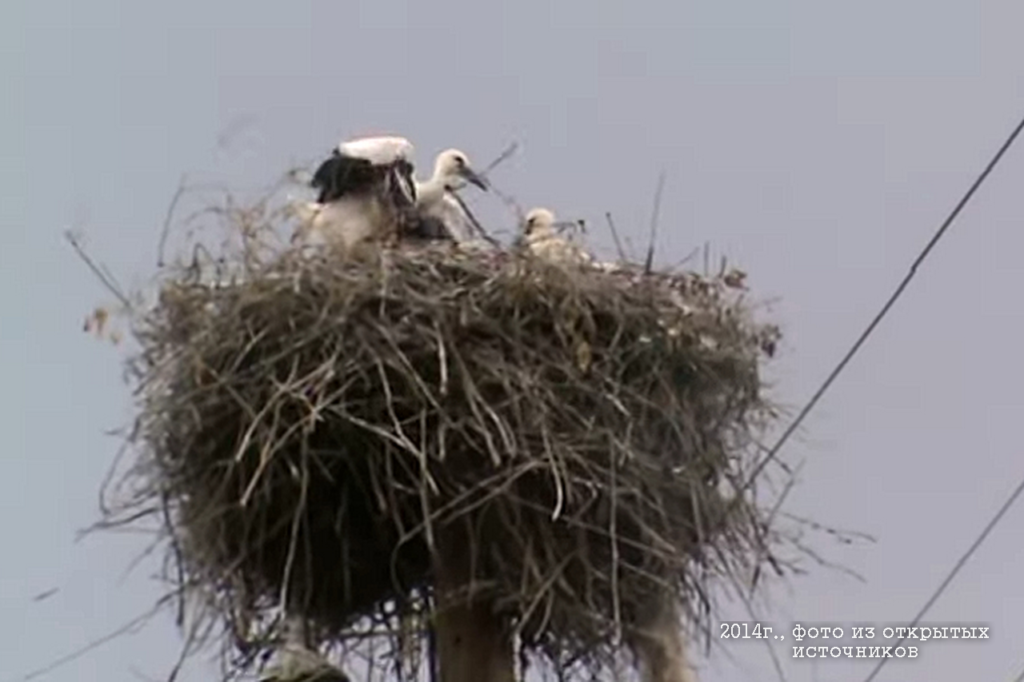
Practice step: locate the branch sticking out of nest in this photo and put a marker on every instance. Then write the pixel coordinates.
(313, 426)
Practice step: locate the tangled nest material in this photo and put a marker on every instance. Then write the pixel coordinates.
(311, 428)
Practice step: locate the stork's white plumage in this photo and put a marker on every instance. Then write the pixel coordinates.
(347, 222)
(441, 215)
(379, 151)
(541, 238)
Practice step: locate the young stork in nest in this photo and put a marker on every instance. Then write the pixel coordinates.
(440, 214)
(365, 190)
(540, 237)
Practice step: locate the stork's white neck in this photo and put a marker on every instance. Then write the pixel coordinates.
(431, 191)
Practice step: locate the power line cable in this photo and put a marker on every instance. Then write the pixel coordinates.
(993, 522)
(885, 308)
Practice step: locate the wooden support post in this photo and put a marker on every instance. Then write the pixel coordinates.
(658, 643)
(473, 644)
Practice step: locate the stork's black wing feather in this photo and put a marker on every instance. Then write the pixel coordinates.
(340, 175)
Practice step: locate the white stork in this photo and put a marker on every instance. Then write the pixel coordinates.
(540, 236)
(365, 190)
(357, 165)
(440, 214)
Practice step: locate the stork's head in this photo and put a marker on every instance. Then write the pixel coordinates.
(452, 167)
(540, 222)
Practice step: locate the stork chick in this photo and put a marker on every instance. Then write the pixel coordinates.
(365, 189)
(440, 214)
(541, 238)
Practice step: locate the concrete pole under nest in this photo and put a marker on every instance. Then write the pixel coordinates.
(473, 643)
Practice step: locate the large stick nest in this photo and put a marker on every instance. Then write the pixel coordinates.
(316, 427)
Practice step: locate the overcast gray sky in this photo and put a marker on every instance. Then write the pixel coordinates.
(816, 143)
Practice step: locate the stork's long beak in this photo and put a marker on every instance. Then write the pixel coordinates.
(471, 176)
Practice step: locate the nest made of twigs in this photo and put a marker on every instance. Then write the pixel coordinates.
(315, 426)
